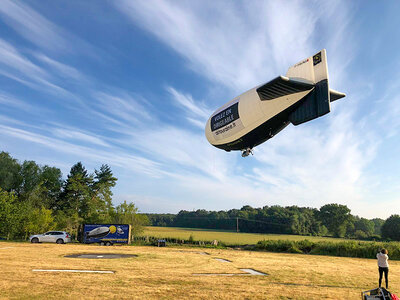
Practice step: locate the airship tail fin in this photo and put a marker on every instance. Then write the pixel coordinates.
(313, 68)
(316, 103)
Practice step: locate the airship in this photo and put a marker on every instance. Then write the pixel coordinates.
(98, 232)
(257, 115)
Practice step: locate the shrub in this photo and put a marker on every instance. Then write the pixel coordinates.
(346, 248)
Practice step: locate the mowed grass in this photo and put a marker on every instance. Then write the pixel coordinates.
(165, 273)
(226, 237)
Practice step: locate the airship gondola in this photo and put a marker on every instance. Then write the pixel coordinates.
(260, 113)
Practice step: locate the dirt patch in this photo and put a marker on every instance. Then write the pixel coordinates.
(100, 255)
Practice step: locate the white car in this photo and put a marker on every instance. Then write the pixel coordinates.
(59, 237)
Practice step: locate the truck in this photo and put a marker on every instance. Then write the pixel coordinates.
(105, 234)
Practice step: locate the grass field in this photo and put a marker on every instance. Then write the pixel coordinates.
(228, 238)
(165, 273)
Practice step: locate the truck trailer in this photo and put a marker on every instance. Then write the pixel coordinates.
(105, 234)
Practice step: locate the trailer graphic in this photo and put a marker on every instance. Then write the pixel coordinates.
(105, 234)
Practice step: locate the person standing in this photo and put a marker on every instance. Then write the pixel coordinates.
(383, 266)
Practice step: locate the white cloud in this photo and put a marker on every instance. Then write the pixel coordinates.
(31, 25)
(18, 67)
(42, 32)
(238, 45)
(189, 105)
(62, 69)
(122, 106)
(71, 134)
(116, 158)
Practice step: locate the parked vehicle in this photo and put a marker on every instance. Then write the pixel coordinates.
(59, 237)
(105, 234)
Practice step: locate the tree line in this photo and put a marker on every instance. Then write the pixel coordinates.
(36, 199)
(330, 220)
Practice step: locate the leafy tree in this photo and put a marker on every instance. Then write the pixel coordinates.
(101, 206)
(128, 214)
(30, 173)
(50, 186)
(39, 220)
(378, 225)
(68, 222)
(8, 213)
(365, 226)
(10, 178)
(76, 195)
(336, 218)
(391, 228)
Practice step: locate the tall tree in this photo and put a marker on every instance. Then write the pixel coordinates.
(101, 206)
(51, 183)
(378, 225)
(8, 213)
(336, 218)
(10, 178)
(127, 213)
(76, 194)
(391, 228)
(30, 173)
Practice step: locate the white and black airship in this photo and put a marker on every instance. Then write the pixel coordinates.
(98, 232)
(260, 113)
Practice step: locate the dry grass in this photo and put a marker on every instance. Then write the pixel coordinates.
(228, 238)
(165, 273)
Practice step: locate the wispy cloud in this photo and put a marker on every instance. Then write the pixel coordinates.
(61, 68)
(131, 162)
(41, 31)
(18, 67)
(260, 39)
(31, 25)
(71, 134)
(196, 112)
(121, 105)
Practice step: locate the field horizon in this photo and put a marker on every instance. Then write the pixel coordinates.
(228, 237)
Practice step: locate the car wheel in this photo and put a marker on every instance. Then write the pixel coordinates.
(35, 240)
(102, 243)
(60, 241)
(108, 244)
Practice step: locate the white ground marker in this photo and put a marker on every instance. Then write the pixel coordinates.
(252, 272)
(6, 248)
(74, 271)
(249, 272)
(222, 260)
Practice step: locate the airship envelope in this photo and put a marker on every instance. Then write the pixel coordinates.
(260, 113)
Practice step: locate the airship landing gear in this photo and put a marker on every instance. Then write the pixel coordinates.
(247, 152)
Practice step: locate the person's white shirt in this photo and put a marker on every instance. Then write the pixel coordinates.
(382, 260)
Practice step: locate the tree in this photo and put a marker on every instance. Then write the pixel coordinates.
(101, 206)
(336, 218)
(391, 228)
(128, 214)
(30, 174)
(378, 225)
(365, 226)
(40, 220)
(51, 183)
(8, 213)
(10, 178)
(76, 195)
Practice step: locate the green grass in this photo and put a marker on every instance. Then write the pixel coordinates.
(226, 237)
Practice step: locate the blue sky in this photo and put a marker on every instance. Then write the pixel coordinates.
(132, 83)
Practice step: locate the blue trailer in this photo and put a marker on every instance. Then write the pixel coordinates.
(105, 234)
